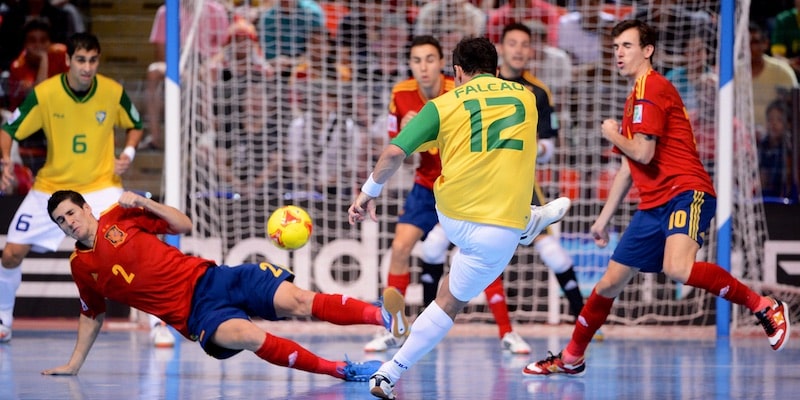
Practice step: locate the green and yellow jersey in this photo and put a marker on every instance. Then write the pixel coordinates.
(485, 130)
(79, 131)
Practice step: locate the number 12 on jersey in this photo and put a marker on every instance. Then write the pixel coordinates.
(493, 139)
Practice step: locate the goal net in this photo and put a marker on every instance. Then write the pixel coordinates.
(294, 112)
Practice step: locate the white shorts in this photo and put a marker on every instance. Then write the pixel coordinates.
(32, 225)
(483, 253)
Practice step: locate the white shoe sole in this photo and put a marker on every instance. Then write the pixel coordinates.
(555, 210)
(544, 216)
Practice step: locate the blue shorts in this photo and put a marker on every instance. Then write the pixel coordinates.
(225, 293)
(420, 209)
(642, 244)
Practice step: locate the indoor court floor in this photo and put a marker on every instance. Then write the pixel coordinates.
(467, 365)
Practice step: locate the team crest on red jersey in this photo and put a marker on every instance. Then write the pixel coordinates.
(115, 236)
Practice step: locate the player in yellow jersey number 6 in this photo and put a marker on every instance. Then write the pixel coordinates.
(77, 111)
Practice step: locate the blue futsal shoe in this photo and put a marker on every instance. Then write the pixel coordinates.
(359, 371)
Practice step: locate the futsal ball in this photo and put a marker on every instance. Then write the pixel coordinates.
(289, 227)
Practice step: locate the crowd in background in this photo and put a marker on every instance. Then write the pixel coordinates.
(255, 48)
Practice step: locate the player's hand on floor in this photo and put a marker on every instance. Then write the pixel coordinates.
(62, 370)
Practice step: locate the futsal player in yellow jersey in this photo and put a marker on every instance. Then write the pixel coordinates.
(78, 111)
(485, 130)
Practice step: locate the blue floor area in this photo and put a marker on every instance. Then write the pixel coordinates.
(123, 365)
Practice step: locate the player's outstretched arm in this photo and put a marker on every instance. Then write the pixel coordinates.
(178, 221)
(619, 188)
(389, 162)
(88, 329)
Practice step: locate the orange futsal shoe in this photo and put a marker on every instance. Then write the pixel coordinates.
(775, 322)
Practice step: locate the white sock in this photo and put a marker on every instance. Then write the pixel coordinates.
(10, 280)
(426, 332)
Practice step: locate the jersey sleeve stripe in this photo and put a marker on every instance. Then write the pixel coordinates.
(131, 110)
(21, 113)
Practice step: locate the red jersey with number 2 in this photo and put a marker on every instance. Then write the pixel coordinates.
(131, 265)
(655, 108)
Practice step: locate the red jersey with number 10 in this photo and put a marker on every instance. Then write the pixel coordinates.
(407, 97)
(131, 265)
(655, 108)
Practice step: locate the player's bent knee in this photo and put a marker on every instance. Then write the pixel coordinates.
(434, 253)
(606, 291)
(291, 300)
(400, 250)
(435, 246)
(552, 254)
(677, 272)
(239, 334)
(610, 288)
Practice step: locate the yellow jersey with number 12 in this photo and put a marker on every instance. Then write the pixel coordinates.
(485, 130)
(79, 131)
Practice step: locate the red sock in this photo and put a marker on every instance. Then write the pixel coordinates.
(286, 353)
(496, 298)
(592, 317)
(344, 310)
(719, 282)
(399, 282)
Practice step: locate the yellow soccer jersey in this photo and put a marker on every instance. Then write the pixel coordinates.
(79, 131)
(485, 130)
